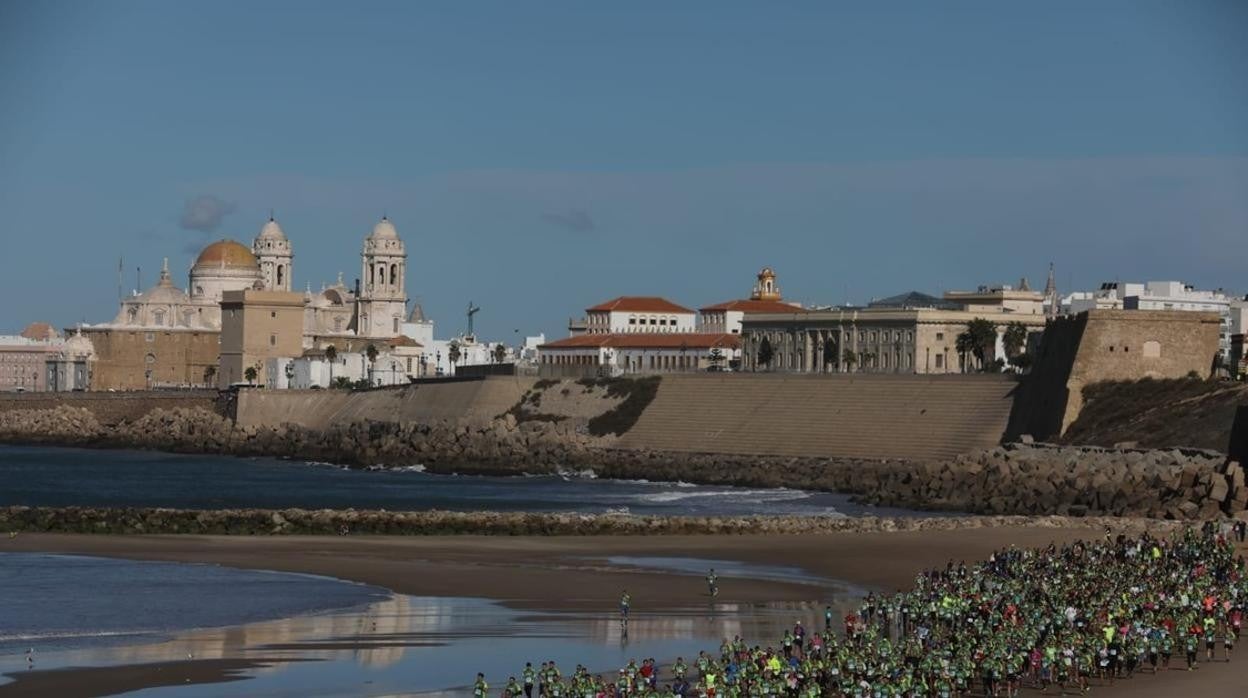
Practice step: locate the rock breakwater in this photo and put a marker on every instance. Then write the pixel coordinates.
(345, 522)
(1017, 479)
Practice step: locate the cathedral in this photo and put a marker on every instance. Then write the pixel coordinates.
(166, 335)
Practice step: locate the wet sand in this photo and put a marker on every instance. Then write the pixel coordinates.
(570, 573)
(85, 683)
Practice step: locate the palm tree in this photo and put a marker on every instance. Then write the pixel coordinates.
(500, 353)
(964, 344)
(453, 354)
(210, 372)
(1014, 339)
(371, 352)
(250, 374)
(331, 355)
(983, 335)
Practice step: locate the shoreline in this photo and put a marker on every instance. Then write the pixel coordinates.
(1019, 479)
(564, 574)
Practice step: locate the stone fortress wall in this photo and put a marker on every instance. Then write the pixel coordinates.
(1107, 345)
(112, 408)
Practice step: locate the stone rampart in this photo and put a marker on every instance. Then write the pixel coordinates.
(1015, 479)
(1108, 345)
(110, 407)
(477, 401)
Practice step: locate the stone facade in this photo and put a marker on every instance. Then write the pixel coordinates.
(138, 358)
(257, 326)
(879, 340)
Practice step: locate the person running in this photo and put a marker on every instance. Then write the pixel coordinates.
(712, 580)
(480, 689)
(513, 689)
(528, 676)
(625, 602)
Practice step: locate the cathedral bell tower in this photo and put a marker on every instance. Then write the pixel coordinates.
(383, 298)
(273, 251)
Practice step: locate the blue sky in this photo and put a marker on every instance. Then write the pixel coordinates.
(539, 157)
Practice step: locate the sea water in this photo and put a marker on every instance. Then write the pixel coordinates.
(60, 602)
(41, 476)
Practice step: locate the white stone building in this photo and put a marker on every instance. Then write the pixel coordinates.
(636, 314)
(1157, 295)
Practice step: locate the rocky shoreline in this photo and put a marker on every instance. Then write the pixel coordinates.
(1016, 479)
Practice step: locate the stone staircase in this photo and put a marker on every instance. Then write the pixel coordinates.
(849, 416)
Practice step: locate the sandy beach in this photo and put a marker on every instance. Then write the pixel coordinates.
(566, 574)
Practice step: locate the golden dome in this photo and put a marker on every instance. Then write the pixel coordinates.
(227, 253)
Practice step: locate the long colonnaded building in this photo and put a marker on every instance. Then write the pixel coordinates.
(908, 333)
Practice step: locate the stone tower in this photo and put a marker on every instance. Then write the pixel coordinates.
(766, 288)
(383, 298)
(276, 258)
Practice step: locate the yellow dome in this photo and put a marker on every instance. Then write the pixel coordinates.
(227, 253)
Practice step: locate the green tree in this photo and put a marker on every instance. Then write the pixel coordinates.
(850, 359)
(866, 359)
(500, 353)
(371, 352)
(331, 355)
(983, 334)
(716, 356)
(765, 353)
(250, 374)
(1014, 339)
(341, 383)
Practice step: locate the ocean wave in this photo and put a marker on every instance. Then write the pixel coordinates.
(583, 474)
(746, 496)
(73, 634)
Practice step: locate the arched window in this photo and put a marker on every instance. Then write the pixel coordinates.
(372, 275)
(158, 317)
(394, 274)
(281, 274)
(381, 274)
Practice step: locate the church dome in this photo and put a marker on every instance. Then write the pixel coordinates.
(384, 230)
(228, 254)
(271, 231)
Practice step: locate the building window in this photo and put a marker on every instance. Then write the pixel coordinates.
(940, 336)
(272, 340)
(272, 313)
(150, 336)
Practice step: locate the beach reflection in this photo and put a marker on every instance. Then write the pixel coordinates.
(405, 645)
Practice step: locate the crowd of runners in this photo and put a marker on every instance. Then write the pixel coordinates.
(1060, 617)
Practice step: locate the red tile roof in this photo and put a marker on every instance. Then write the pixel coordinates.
(648, 340)
(751, 306)
(638, 304)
